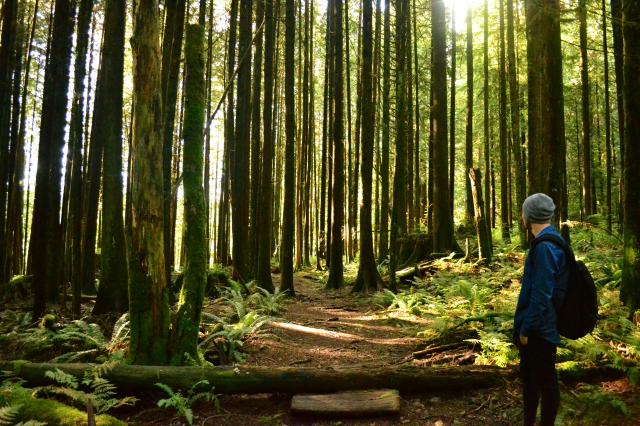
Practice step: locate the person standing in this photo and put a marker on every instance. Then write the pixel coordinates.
(544, 285)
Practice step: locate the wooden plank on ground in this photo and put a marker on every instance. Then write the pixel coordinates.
(350, 403)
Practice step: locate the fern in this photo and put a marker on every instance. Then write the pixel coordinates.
(182, 404)
(9, 414)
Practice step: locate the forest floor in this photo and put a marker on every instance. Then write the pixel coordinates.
(320, 328)
(324, 329)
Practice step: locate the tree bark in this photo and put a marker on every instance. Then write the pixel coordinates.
(399, 210)
(45, 230)
(607, 115)
(148, 289)
(368, 277)
(240, 165)
(263, 273)
(616, 24)
(443, 240)
(547, 144)
(452, 113)
(468, 159)
(286, 259)
(384, 173)
(251, 380)
(112, 293)
(335, 279)
(187, 322)
(171, 49)
(482, 230)
(505, 169)
(630, 288)
(516, 147)
(7, 59)
(587, 183)
(255, 138)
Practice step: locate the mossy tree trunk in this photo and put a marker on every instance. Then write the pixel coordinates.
(148, 294)
(286, 255)
(368, 277)
(185, 337)
(630, 287)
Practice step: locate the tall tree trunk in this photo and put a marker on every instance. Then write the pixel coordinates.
(187, 323)
(487, 139)
(7, 59)
(286, 258)
(616, 24)
(240, 175)
(416, 145)
(452, 113)
(443, 239)
(263, 273)
(468, 159)
(587, 184)
(505, 170)
(45, 229)
(399, 211)
(229, 138)
(482, 230)
(76, 143)
(148, 288)
(112, 293)
(514, 91)
(171, 49)
(630, 288)
(607, 113)
(255, 136)
(335, 279)
(13, 258)
(368, 277)
(547, 145)
(386, 105)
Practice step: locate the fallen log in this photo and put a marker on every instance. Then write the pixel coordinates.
(229, 380)
(349, 403)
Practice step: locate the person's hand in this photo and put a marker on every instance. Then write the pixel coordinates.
(524, 340)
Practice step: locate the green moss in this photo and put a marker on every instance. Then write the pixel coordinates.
(48, 411)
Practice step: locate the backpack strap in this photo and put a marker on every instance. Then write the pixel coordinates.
(559, 242)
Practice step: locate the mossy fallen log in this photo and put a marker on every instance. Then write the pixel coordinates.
(228, 380)
(48, 411)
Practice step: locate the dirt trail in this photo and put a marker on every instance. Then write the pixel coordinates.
(328, 328)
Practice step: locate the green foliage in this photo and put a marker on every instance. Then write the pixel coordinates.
(200, 391)
(497, 349)
(597, 400)
(267, 303)
(93, 389)
(226, 338)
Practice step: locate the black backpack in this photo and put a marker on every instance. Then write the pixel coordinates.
(578, 313)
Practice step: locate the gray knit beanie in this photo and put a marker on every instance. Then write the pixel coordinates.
(538, 208)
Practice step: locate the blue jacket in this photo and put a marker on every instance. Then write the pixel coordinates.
(544, 284)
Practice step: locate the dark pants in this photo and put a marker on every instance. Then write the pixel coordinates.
(540, 381)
